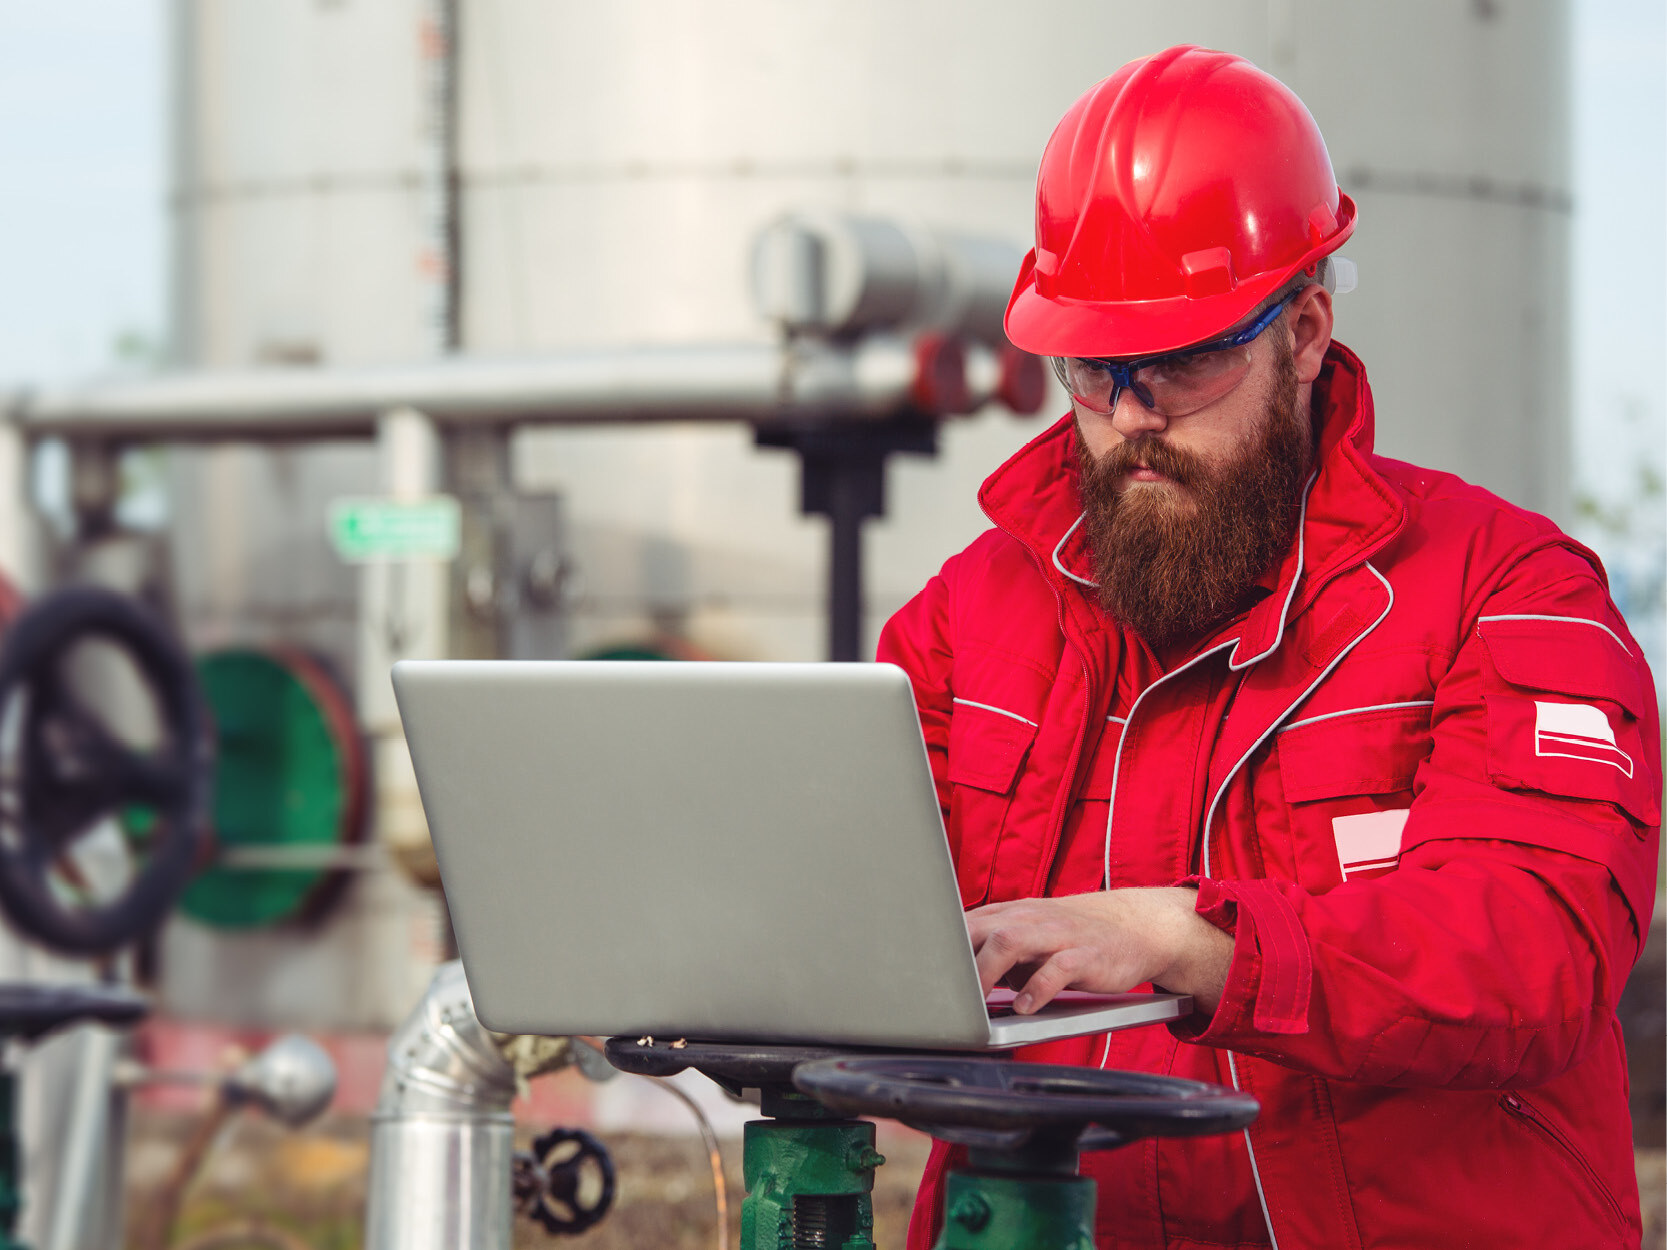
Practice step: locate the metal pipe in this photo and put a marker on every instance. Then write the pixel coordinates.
(77, 1197)
(848, 497)
(19, 539)
(759, 383)
(838, 273)
(441, 1144)
(404, 614)
(156, 1228)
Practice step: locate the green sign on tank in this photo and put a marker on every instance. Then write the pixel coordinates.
(289, 773)
(394, 529)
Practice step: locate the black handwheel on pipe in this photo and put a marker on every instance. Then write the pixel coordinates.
(567, 1182)
(101, 721)
(1007, 1106)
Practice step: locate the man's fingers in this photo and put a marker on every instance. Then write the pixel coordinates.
(1017, 975)
(1103, 943)
(981, 920)
(1002, 949)
(1059, 972)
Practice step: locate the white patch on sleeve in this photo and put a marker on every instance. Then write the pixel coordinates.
(1368, 840)
(1577, 731)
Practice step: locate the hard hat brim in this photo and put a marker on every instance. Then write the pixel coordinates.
(1058, 326)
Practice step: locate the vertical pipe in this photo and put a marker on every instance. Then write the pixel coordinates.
(404, 614)
(478, 473)
(846, 499)
(442, 1137)
(78, 1197)
(17, 520)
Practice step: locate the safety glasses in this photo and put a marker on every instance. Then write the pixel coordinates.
(1173, 384)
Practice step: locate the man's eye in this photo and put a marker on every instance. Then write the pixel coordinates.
(1184, 369)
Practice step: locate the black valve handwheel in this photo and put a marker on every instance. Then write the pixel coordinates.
(29, 1010)
(567, 1184)
(65, 769)
(1004, 1104)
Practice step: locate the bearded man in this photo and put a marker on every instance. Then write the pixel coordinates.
(1356, 754)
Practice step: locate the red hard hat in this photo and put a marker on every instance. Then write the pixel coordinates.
(1173, 199)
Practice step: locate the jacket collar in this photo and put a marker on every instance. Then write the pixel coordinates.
(1349, 511)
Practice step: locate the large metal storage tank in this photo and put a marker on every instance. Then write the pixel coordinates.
(616, 159)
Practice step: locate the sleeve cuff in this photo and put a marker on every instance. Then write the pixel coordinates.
(1270, 980)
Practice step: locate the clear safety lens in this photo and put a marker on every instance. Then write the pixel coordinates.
(1172, 386)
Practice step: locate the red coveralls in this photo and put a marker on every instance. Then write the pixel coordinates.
(1418, 780)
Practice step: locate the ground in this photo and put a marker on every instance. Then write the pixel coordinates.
(312, 1185)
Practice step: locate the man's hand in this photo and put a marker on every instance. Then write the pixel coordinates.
(1104, 943)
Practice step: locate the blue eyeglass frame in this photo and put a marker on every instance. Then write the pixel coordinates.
(1123, 371)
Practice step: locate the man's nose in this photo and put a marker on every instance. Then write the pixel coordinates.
(1132, 419)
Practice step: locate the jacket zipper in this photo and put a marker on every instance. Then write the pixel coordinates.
(1523, 1110)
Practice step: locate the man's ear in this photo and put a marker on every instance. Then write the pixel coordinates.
(1309, 316)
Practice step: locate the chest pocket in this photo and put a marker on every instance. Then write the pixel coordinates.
(1348, 785)
(987, 749)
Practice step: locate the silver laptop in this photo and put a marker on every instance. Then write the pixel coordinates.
(748, 852)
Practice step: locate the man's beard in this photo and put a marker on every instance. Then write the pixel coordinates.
(1176, 559)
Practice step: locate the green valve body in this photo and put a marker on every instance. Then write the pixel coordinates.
(983, 1211)
(809, 1185)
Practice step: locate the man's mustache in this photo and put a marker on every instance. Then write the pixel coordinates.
(1153, 453)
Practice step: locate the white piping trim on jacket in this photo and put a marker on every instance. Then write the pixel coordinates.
(1059, 546)
(1209, 819)
(999, 711)
(1117, 720)
(1579, 620)
(1255, 1172)
(1355, 711)
(1209, 816)
(1285, 610)
(1117, 761)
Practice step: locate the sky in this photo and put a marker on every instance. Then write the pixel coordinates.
(83, 234)
(1619, 360)
(83, 183)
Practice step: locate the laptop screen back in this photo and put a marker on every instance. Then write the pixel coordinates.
(748, 851)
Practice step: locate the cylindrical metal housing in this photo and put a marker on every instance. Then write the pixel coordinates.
(440, 1184)
(442, 1136)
